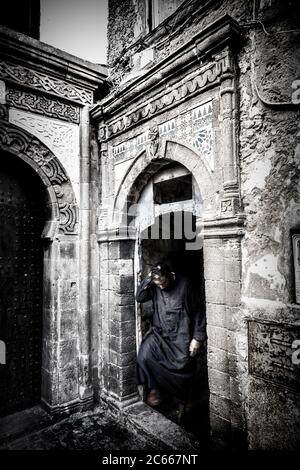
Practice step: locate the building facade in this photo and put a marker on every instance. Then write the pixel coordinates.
(45, 156)
(201, 93)
(192, 155)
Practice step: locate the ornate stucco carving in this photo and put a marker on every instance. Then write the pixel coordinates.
(154, 141)
(42, 105)
(60, 137)
(41, 81)
(22, 143)
(193, 126)
(192, 84)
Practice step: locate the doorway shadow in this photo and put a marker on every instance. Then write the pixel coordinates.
(194, 414)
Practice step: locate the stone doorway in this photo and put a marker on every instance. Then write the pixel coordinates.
(22, 215)
(189, 263)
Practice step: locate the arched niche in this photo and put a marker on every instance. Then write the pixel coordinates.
(63, 210)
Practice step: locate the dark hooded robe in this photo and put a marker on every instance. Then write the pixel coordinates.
(164, 361)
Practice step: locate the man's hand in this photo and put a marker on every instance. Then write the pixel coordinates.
(195, 347)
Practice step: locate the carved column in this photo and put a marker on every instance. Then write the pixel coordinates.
(84, 257)
(230, 203)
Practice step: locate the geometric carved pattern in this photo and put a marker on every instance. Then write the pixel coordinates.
(230, 205)
(193, 126)
(21, 142)
(25, 76)
(42, 105)
(61, 137)
(227, 205)
(178, 93)
(203, 140)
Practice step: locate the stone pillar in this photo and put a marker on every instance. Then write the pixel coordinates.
(118, 321)
(222, 271)
(230, 201)
(94, 263)
(84, 259)
(60, 372)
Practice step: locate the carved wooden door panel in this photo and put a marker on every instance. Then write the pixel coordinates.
(22, 209)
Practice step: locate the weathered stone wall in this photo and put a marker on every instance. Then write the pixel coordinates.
(44, 120)
(121, 20)
(248, 272)
(270, 159)
(188, 120)
(129, 37)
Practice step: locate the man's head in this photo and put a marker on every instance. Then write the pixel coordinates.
(162, 276)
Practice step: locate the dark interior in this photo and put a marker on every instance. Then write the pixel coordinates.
(22, 215)
(189, 263)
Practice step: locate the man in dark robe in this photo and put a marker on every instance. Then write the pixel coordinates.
(165, 359)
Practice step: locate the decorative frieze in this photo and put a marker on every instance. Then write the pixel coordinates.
(184, 128)
(166, 127)
(43, 82)
(119, 149)
(42, 105)
(141, 139)
(194, 83)
(60, 137)
(202, 111)
(20, 142)
(129, 148)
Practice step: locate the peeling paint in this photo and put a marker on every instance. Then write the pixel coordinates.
(257, 173)
(267, 267)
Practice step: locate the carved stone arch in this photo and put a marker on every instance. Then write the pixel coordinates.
(145, 166)
(191, 153)
(62, 199)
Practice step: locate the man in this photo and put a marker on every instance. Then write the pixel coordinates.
(177, 334)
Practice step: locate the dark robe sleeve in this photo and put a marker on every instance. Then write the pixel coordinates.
(197, 315)
(144, 291)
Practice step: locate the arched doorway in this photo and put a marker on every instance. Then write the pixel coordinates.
(171, 202)
(22, 215)
(135, 206)
(188, 263)
(60, 277)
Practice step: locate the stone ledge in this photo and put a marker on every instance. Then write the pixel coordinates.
(150, 423)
